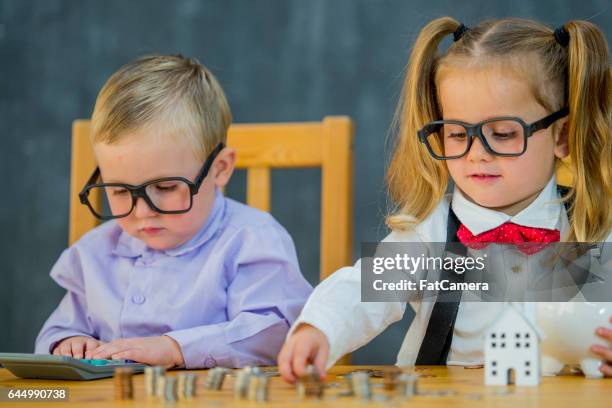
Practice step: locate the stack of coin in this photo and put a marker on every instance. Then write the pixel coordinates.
(390, 377)
(123, 383)
(215, 377)
(241, 386)
(160, 386)
(258, 387)
(151, 374)
(309, 384)
(360, 382)
(186, 386)
(169, 393)
(408, 385)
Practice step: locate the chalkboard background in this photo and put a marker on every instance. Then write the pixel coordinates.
(277, 60)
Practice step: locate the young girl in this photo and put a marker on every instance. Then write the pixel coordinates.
(516, 97)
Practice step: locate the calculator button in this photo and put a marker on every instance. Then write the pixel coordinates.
(95, 362)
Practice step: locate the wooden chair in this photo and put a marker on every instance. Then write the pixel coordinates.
(564, 174)
(260, 148)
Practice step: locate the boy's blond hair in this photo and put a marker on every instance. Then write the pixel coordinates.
(175, 90)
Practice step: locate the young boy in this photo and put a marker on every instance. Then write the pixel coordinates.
(180, 275)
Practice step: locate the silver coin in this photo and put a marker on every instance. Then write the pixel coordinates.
(170, 389)
(241, 384)
(360, 382)
(408, 385)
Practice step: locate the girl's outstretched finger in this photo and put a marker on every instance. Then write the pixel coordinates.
(301, 355)
(284, 363)
(320, 361)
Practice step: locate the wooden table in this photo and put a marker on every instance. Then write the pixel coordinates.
(465, 386)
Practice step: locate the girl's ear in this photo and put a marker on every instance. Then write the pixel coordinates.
(561, 140)
(223, 167)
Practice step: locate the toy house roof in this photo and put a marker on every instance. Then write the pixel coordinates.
(511, 308)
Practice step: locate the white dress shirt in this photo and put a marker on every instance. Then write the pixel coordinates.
(336, 309)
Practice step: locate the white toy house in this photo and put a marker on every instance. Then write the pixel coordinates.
(512, 350)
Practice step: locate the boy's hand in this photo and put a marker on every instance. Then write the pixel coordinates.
(306, 345)
(159, 350)
(76, 346)
(604, 352)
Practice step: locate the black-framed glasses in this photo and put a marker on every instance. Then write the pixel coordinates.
(503, 136)
(168, 195)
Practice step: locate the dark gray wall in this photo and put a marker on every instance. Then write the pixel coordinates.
(277, 60)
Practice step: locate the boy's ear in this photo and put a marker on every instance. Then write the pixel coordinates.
(561, 140)
(223, 167)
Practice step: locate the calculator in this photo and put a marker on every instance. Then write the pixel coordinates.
(44, 366)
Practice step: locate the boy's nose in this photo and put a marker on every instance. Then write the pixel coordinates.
(477, 151)
(142, 209)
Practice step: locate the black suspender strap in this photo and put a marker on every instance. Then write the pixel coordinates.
(438, 337)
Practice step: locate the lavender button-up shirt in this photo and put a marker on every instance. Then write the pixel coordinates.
(227, 296)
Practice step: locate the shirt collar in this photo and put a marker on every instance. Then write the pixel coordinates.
(543, 212)
(131, 247)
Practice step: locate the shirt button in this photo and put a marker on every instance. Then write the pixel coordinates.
(138, 299)
(210, 362)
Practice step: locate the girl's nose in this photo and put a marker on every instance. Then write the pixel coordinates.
(478, 152)
(142, 209)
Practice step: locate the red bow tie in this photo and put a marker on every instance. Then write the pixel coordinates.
(527, 239)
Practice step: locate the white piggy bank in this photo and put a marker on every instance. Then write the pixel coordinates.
(569, 331)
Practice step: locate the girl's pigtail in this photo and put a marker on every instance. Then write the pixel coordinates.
(589, 92)
(417, 182)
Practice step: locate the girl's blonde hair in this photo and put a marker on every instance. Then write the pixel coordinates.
(175, 90)
(576, 75)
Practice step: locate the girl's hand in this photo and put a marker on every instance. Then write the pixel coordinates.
(76, 346)
(159, 350)
(604, 352)
(306, 345)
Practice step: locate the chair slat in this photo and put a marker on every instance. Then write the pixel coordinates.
(277, 145)
(82, 164)
(564, 173)
(258, 188)
(336, 195)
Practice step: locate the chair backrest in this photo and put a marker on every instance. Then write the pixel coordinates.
(564, 174)
(260, 148)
